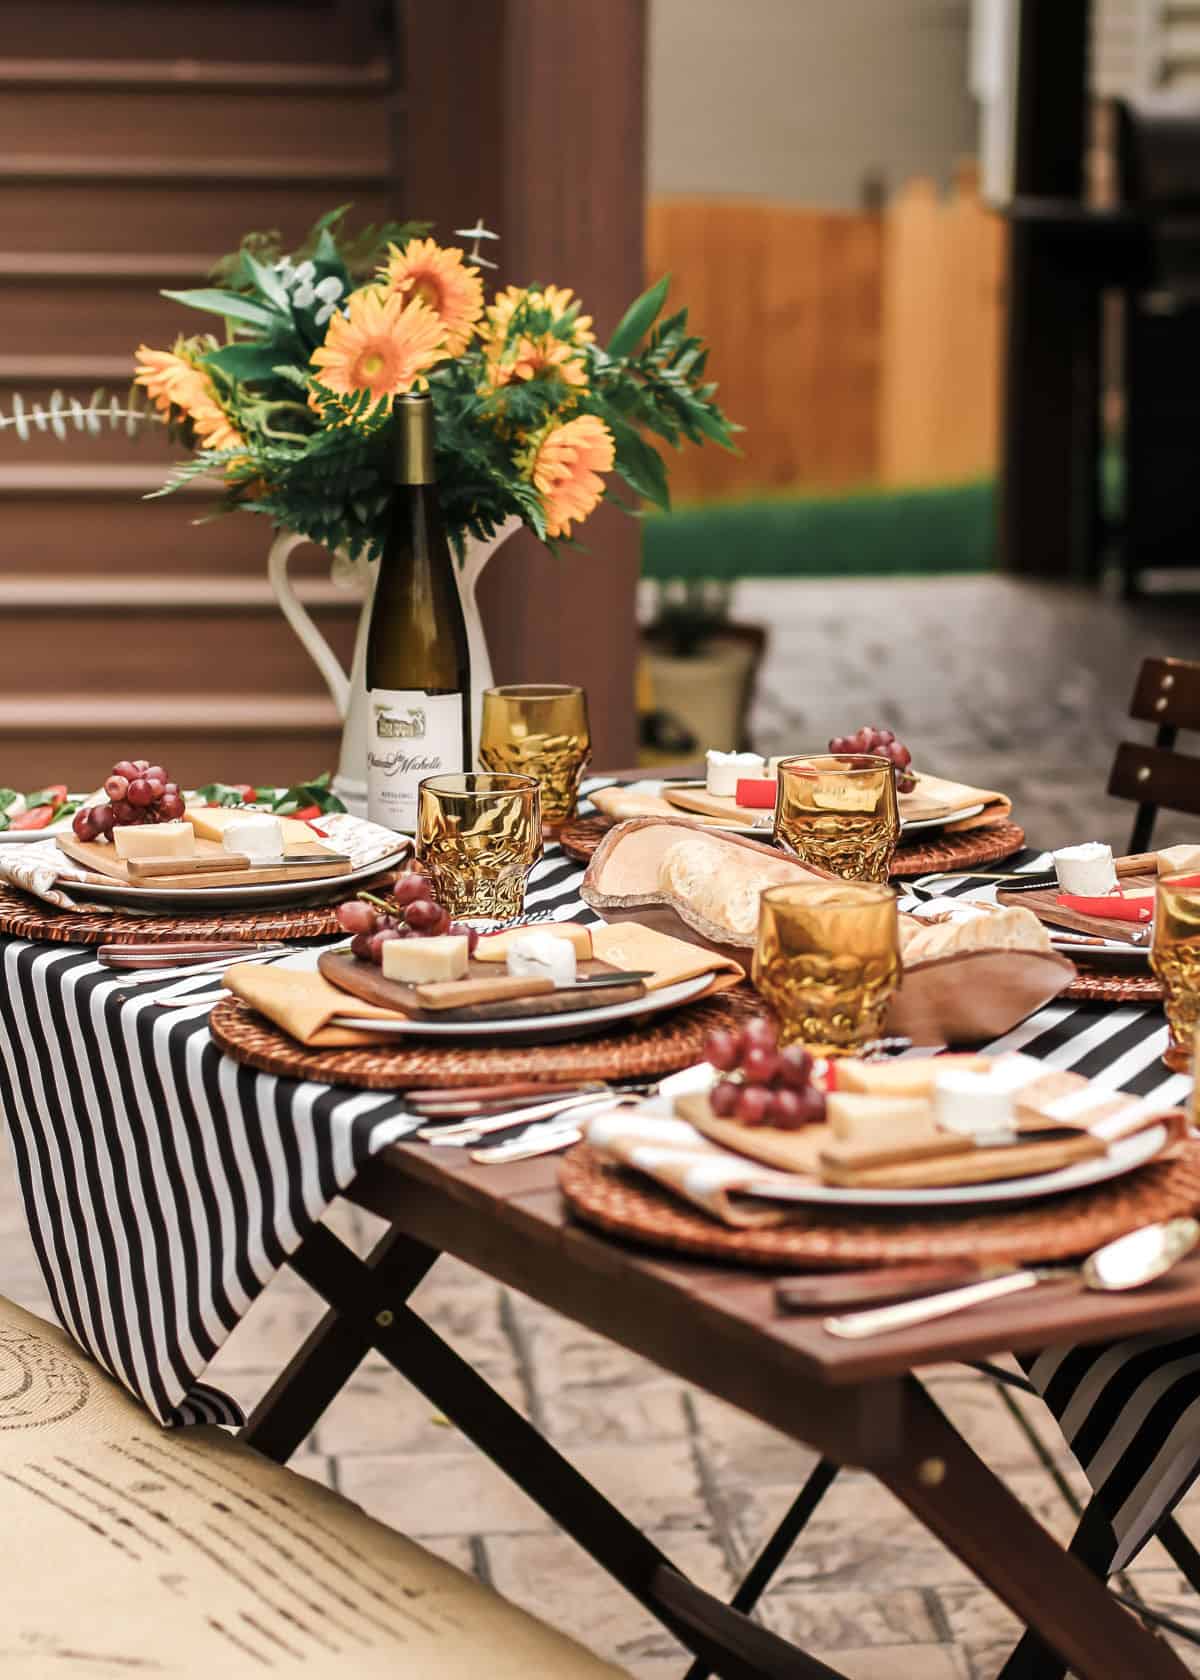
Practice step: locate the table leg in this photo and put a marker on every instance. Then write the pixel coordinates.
(729, 1643)
(959, 1499)
(331, 1353)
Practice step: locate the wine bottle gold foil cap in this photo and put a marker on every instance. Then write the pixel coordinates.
(414, 438)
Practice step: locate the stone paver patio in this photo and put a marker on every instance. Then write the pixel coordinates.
(1015, 687)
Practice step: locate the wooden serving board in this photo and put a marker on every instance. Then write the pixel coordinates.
(917, 806)
(100, 857)
(364, 980)
(1130, 872)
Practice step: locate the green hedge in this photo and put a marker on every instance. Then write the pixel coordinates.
(868, 533)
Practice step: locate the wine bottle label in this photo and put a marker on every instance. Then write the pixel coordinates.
(410, 735)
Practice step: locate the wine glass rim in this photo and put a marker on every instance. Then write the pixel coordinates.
(847, 895)
(532, 691)
(472, 784)
(827, 760)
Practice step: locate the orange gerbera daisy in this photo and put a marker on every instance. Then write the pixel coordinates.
(531, 358)
(565, 471)
(383, 344)
(440, 278)
(172, 381)
(557, 300)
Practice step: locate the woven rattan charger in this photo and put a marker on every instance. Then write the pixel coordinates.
(1056, 1228)
(662, 1046)
(580, 837)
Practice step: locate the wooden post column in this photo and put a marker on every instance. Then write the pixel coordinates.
(530, 113)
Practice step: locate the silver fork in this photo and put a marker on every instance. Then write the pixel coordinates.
(545, 1139)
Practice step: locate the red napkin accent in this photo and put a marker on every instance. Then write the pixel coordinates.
(1187, 881)
(1116, 909)
(756, 794)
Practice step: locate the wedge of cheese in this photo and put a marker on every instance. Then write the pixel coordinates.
(210, 822)
(913, 1077)
(494, 947)
(875, 1119)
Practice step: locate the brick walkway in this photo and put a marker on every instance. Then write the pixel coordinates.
(1016, 687)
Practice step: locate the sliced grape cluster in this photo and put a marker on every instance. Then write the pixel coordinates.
(411, 912)
(138, 792)
(763, 1085)
(883, 744)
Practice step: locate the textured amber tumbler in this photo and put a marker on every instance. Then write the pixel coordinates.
(1175, 958)
(479, 836)
(539, 730)
(839, 812)
(827, 961)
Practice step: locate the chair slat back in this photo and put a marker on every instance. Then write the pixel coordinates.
(1166, 694)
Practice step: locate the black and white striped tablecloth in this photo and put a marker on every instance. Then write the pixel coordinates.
(165, 1185)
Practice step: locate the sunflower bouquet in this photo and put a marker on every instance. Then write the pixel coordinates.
(290, 404)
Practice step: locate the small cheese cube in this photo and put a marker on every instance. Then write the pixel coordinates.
(854, 1118)
(544, 957)
(156, 840)
(1087, 870)
(974, 1102)
(494, 947)
(415, 961)
(724, 769)
(256, 835)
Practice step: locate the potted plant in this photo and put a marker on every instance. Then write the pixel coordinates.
(698, 673)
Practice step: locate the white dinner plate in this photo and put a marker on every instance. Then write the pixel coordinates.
(547, 1028)
(1124, 1156)
(15, 837)
(240, 898)
(1113, 953)
(760, 825)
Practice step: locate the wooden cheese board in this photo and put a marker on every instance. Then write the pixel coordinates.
(917, 810)
(364, 980)
(1136, 875)
(309, 860)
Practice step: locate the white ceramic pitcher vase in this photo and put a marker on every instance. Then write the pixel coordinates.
(349, 691)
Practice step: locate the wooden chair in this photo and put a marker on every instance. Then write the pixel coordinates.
(1167, 694)
(185, 1554)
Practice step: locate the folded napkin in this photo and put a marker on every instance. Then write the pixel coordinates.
(933, 796)
(41, 869)
(621, 803)
(304, 1003)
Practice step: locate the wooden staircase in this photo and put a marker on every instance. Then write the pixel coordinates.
(138, 142)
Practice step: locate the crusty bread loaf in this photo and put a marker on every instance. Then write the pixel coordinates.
(720, 885)
(1011, 929)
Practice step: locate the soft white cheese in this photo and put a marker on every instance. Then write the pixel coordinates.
(974, 1103)
(415, 962)
(156, 840)
(1087, 871)
(256, 835)
(543, 956)
(723, 771)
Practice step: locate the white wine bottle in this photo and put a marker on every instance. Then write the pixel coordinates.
(418, 671)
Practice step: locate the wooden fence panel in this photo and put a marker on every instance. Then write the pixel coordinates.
(854, 347)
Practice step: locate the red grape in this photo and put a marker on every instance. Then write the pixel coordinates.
(141, 765)
(812, 1107)
(102, 819)
(760, 1064)
(123, 812)
(82, 823)
(720, 1047)
(409, 888)
(125, 768)
(423, 915)
(157, 788)
(139, 792)
(171, 806)
(116, 786)
(901, 756)
(444, 921)
(356, 917)
(723, 1099)
(787, 1110)
(155, 773)
(171, 787)
(761, 1031)
(376, 942)
(753, 1103)
(884, 737)
(795, 1067)
(360, 945)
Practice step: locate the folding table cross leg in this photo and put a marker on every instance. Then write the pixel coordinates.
(923, 1461)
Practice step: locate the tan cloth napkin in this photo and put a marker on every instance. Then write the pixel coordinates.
(621, 803)
(933, 796)
(38, 867)
(304, 1003)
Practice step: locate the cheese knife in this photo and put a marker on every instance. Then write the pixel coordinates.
(160, 868)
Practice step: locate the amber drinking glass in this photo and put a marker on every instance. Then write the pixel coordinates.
(827, 961)
(539, 730)
(479, 836)
(1175, 958)
(839, 812)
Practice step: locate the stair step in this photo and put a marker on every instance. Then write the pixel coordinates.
(178, 211)
(268, 32)
(131, 267)
(95, 714)
(268, 126)
(130, 170)
(75, 478)
(96, 304)
(233, 742)
(64, 371)
(208, 592)
(185, 75)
